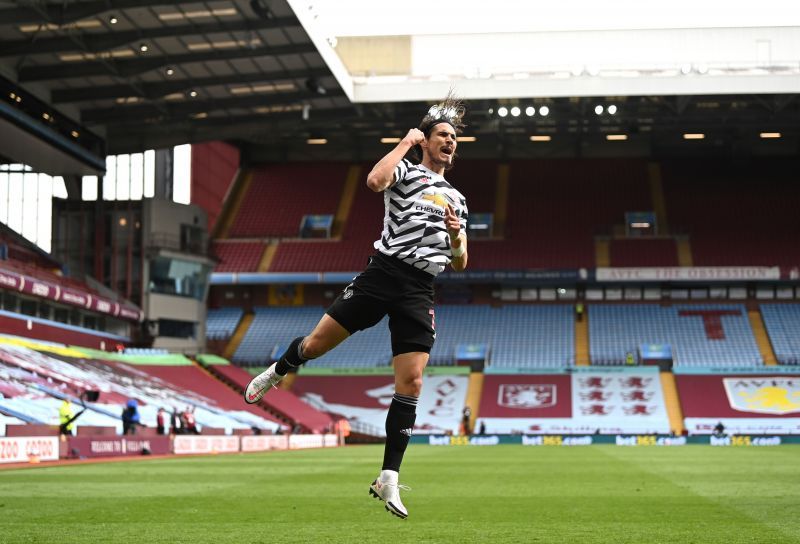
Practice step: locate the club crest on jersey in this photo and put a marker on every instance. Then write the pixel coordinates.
(348, 292)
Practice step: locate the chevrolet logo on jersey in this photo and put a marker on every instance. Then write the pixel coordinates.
(438, 200)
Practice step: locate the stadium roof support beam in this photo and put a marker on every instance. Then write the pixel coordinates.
(129, 138)
(135, 114)
(127, 68)
(69, 12)
(160, 89)
(96, 43)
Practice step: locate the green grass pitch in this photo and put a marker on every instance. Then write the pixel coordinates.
(693, 494)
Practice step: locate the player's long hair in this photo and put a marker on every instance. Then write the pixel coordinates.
(451, 111)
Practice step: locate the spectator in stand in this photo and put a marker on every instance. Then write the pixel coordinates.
(65, 418)
(161, 421)
(189, 423)
(342, 429)
(176, 426)
(465, 426)
(130, 417)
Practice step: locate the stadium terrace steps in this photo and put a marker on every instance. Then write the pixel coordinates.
(233, 202)
(762, 340)
(782, 322)
(673, 402)
(684, 251)
(582, 341)
(279, 401)
(474, 391)
(602, 251)
(657, 196)
(239, 334)
(351, 185)
(266, 259)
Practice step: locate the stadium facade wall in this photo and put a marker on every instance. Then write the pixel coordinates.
(40, 329)
(214, 165)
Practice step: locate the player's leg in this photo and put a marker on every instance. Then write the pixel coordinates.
(326, 335)
(408, 369)
(412, 328)
(353, 310)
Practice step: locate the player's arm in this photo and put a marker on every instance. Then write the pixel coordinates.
(382, 174)
(458, 239)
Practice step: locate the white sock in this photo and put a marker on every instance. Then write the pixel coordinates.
(389, 476)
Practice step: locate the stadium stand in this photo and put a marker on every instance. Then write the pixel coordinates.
(36, 380)
(362, 228)
(273, 328)
(700, 335)
(517, 336)
(783, 326)
(644, 252)
(238, 256)
(736, 214)
(555, 209)
(281, 194)
(477, 180)
(221, 322)
(194, 379)
(593, 194)
(280, 401)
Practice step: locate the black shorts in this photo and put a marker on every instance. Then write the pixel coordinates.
(390, 286)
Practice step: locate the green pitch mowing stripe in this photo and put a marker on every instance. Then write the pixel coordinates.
(469, 494)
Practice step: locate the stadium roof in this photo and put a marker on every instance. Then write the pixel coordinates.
(512, 49)
(273, 75)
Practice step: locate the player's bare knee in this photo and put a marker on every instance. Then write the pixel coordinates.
(315, 345)
(410, 385)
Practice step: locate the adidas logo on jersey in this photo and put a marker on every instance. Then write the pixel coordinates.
(407, 432)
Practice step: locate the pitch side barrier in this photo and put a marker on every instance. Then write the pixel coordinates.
(33, 449)
(618, 440)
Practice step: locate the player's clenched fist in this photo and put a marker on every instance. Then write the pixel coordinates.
(415, 136)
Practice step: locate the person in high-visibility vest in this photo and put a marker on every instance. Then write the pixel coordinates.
(65, 417)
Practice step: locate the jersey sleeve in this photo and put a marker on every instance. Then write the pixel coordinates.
(400, 171)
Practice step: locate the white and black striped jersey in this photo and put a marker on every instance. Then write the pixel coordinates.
(413, 222)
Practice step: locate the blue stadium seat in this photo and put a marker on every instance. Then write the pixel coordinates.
(783, 326)
(221, 323)
(615, 330)
(517, 336)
